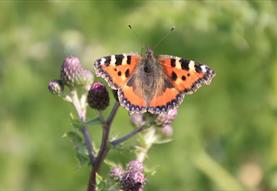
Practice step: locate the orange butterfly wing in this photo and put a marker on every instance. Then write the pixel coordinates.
(185, 75)
(117, 69)
(180, 77)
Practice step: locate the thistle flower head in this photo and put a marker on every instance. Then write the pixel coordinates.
(117, 173)
(137, 119)
(73, 74)
(135, 165)
(56, 87)
(133, 179)
(166, 118)
(86, 78)
(167, 130)
(98, 96)
(71, 71)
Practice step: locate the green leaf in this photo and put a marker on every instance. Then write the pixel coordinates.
(76, 123)
(101, 183)
(163, 141)
(99, 179)
(110, 163)
(80, 148)
(93, 122)
(74, 137)
(82, 154)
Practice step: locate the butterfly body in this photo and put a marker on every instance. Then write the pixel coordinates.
(152, 84)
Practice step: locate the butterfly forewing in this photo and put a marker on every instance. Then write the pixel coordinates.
(116, 69)
(186, 75)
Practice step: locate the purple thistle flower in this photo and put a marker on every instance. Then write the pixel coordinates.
(135, 165)
(166, 118)
(137, 119)
(73, 74)
(167, 130)
(117, 173)
(133, 179)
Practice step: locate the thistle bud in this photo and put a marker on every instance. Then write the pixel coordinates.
(137, 119)
(56, 87)
(98, 96)
(166, 118)
(86, 78)
(167, 130)
(71, 71)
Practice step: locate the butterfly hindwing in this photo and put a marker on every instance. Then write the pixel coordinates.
(117, 69)
(130, 100)
(186, 75)
(168, 98)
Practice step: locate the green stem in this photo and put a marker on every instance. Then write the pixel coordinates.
(149, 138)
(126, 137)
(80, 107)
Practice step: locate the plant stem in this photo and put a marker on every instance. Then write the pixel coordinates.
(103, 148)
(81, 111)
(112, 114)
(126, 137)
(149, 137)
(89, 147)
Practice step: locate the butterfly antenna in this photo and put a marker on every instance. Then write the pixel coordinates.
(164, 37)
(135, 34)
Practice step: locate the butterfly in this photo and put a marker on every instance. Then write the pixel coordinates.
(152, 84)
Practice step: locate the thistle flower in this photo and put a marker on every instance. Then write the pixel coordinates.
(167, 130)
(98, 96)
(133, 179)
(73, 74)
(137, 119)
(166, 118)
(71, 71)
(117, 173)
(86, 78)
(56, 87)
(135, 165)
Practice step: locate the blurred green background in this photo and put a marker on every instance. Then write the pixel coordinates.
(225, 135)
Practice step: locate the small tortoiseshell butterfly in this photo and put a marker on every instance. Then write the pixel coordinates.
(152, 84)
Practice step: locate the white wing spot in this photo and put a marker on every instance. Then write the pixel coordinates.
(178, 63)
(113, 60)
(191, 65)
(102, 61)
(204, 68)
(124, 60)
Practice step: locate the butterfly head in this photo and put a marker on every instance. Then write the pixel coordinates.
(149, 61)
(149, 53)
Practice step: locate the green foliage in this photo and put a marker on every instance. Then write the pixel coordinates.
(222, 134)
